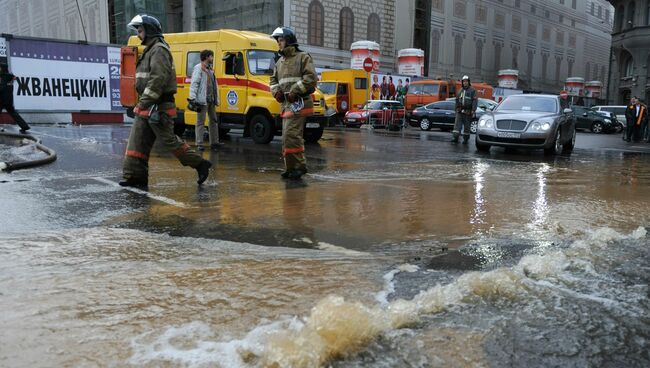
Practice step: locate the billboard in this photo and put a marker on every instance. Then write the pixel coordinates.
(60, 76)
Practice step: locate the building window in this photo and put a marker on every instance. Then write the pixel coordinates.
(573, 23)
(602, 73)
(629, 23)
(628, 67)
(515, 57)
(438, 5)
(647, 17)
(544, 67)
(547, 14)
(479, 55)
(607, 15)
(481, 14)
(458, 52)
(497, 56)
(546, 34)
(316, 23)
(572, 40)
(499, 20)
(532, 9)
(559, 38)
(561, 19)
(558, 66)
(595, 76)
(516, 24)
(570, 66)
(532, 29)
(600, 11)
(346, 28)
(517, 4)
(374, 28)
(435, 46)
(620, 17)
(573, 4)
(593, 9)
(562, 2)
(587, 71)
(529, 68)
(459, 9)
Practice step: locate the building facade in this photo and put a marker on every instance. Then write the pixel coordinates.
(83, 20)
(546, 40)
(630, 52)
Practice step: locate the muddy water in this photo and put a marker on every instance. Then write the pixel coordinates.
(418, 261)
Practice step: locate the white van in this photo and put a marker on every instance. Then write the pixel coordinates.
(619, 111)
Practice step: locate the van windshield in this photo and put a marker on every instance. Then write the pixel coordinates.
(328, 88)
(424, 89)
(261, 62)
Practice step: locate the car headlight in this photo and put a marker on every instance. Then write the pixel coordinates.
(485, 122)
(608, 121)
(364, 114)
(540, 126)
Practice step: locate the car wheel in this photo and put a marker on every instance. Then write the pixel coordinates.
(425, 124)
(312, 135)
(556, 148)
(482, 147)
(473, 127)
(597, 127)
(568, 146)
(261, 129)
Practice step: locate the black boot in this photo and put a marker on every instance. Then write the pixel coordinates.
(203, 170)
(465, 140)
(296, 173)
(134, 183)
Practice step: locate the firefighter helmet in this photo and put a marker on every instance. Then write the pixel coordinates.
(152, 27)
(287, 33)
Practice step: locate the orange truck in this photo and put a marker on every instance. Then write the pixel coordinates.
(243, 64)
(425, 91)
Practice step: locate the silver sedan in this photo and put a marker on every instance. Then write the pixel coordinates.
(528, 121)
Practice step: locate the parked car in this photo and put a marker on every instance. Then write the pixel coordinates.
(442, 114)
(617, 124)
(528, 121)
(379, 113)
(617, 110)
(594, 121)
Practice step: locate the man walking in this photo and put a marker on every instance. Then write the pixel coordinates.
(466, 103)
(636, 115)
(156, 86)
(204, 92)
(292, 83)
(7, 97)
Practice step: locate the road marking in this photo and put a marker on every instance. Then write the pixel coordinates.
(143, 192)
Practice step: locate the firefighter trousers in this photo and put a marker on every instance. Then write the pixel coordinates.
(6, 103)
(462, 121)
(293, 145)
(143, 135)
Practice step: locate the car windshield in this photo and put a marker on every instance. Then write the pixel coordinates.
(528, 103)
(261, 62)
(328, 88)
(372, 105)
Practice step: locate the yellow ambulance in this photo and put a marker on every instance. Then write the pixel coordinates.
(243, 64)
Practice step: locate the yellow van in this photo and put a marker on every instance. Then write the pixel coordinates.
(243, 64)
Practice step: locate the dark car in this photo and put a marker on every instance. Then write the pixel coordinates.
(594, 121)
(528, 121)
(442, 115)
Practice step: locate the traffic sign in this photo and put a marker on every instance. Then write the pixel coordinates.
(367, 64)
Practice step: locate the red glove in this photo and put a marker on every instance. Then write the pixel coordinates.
(279, 96)
(292, 97)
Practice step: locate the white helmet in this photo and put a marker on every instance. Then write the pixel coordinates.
(465, 77)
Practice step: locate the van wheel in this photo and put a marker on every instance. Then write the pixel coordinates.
(313, 135)
(261, 129)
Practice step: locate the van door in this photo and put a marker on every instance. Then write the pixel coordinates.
(233, 87)
(342, 98)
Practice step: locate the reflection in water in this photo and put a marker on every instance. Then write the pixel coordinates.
(540, 207)
(478, 217)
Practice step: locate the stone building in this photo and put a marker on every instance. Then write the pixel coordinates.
(547, 41)
(60, 19)
(630, 51)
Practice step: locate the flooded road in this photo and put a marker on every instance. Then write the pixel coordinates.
(397, 250)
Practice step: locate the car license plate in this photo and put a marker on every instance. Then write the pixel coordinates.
(313, 125)
(352, 120)
(508, 135)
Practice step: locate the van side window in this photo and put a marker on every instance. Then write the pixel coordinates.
(193, 58)
(443, 90)
(360, 83)
(234, 64)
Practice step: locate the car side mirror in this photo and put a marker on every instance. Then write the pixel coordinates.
(568, 111)
(584, 114)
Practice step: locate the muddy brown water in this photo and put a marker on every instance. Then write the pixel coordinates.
(386, 255)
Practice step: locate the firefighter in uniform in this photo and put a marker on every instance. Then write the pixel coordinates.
(154, 113)
(466, 103)
(293, 81)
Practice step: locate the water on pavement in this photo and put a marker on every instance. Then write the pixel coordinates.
(395, 251)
